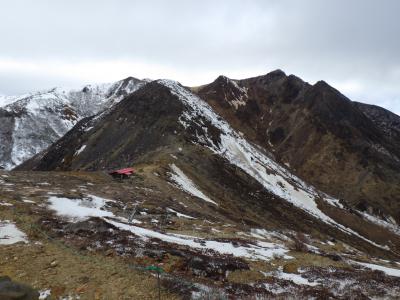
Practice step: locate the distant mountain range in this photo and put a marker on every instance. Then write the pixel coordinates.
(32, 122)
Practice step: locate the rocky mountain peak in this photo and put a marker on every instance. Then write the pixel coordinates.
(230, 91)
(275, 75)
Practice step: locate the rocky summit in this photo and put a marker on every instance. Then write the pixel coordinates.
(260, 188)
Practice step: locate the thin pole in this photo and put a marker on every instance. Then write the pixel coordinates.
(158, 281)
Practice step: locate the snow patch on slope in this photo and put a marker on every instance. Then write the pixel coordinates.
(390, 226)
(180, 215)
(234, 94)
(10, 234)
(295, 278)
(187, 185)
(44, 294)
(241, 99)
(79, 209)
(386, 270)
(80, 150)
(260, 250)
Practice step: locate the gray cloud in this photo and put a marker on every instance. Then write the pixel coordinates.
(351, 44)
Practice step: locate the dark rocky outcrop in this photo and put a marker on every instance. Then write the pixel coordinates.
(347, 149)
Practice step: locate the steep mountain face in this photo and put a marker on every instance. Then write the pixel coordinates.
(32, 122)
(337, 145)
(385, 120)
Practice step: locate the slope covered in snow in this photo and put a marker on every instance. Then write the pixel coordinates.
(10, 234)
(187, 185)
(5, 100)
(389, 271)
(32, 122)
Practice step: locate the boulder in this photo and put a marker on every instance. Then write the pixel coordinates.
(10, 290)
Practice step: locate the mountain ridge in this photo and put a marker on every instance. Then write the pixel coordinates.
(126, 136)
(214, 198)
(34, 121)
(288, 117)
(324, 137)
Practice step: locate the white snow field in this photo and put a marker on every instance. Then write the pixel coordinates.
(186, 184)
(79, 209)
(10, 234)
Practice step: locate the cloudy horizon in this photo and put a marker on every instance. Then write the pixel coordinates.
(353, 45)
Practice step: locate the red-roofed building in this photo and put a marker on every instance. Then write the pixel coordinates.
(122, 173)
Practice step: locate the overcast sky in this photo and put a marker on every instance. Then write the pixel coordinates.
(354, 45)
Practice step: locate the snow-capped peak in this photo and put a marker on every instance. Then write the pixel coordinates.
(33, 121)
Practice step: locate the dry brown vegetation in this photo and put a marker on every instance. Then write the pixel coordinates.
(83, 268)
